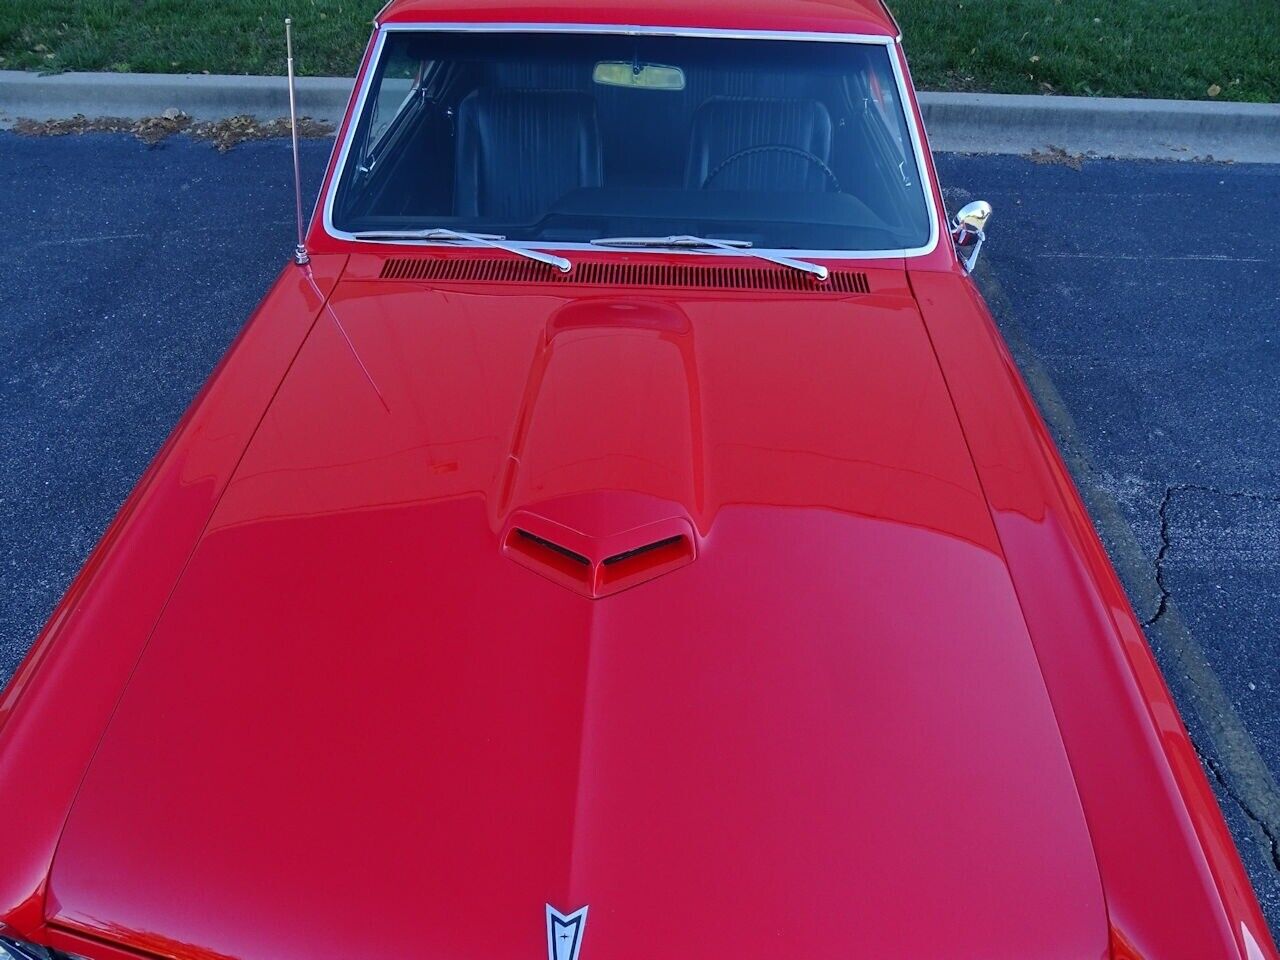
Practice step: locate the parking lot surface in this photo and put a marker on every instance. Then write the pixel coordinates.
(1141, 299)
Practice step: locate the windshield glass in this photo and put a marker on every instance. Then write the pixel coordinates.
(568, 138)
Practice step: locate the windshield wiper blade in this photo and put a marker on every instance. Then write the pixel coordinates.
(695, 243)
(740, 247)
(444, 234)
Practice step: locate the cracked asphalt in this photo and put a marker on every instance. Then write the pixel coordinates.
(1141, 300)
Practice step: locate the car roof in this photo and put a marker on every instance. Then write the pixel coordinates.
(860, 17)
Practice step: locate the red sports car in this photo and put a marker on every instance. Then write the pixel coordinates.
(621, 535)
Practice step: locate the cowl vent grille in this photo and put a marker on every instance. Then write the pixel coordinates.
(624, 274)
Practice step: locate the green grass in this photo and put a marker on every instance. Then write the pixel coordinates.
(1178, 49)
(1183, 49)
(184, 36)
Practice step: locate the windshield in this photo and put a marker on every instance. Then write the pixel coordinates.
(569, 138)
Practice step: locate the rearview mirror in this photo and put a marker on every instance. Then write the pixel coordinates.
(968, 228)
(643, 76)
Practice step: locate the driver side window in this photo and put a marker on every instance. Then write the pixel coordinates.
(400, 81)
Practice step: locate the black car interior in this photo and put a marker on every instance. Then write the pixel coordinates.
(781, 143)
(518, 151)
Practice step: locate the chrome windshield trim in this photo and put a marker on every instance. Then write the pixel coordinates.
(633, 30)
(890, 43)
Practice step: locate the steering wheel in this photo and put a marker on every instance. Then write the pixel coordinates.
(805, 155)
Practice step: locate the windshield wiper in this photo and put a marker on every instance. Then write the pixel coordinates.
(446, 235)
(740, 247)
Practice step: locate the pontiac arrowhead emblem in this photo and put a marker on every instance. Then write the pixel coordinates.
(564, 933)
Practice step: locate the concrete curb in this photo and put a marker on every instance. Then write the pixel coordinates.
(133, 95)
(1107, 127)
(957, 122)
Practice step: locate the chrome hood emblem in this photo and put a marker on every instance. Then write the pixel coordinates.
(564, 933)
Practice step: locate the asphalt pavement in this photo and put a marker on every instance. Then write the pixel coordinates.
(127, 271)
(1142, 300)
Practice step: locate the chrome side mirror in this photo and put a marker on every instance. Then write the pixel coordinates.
(968, 228)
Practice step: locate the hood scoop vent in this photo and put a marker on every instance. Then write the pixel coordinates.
(541, 549)
(598, 567)
(621, 274)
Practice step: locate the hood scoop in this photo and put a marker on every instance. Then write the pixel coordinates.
(625, 273)
(598, 566)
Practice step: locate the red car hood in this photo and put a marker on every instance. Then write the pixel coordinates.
(360, 729)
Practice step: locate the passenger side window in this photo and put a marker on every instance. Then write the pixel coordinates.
(886, 119)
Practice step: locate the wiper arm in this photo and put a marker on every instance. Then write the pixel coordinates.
(740, 247)
(447, 235)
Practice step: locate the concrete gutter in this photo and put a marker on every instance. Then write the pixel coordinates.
(957, 122)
